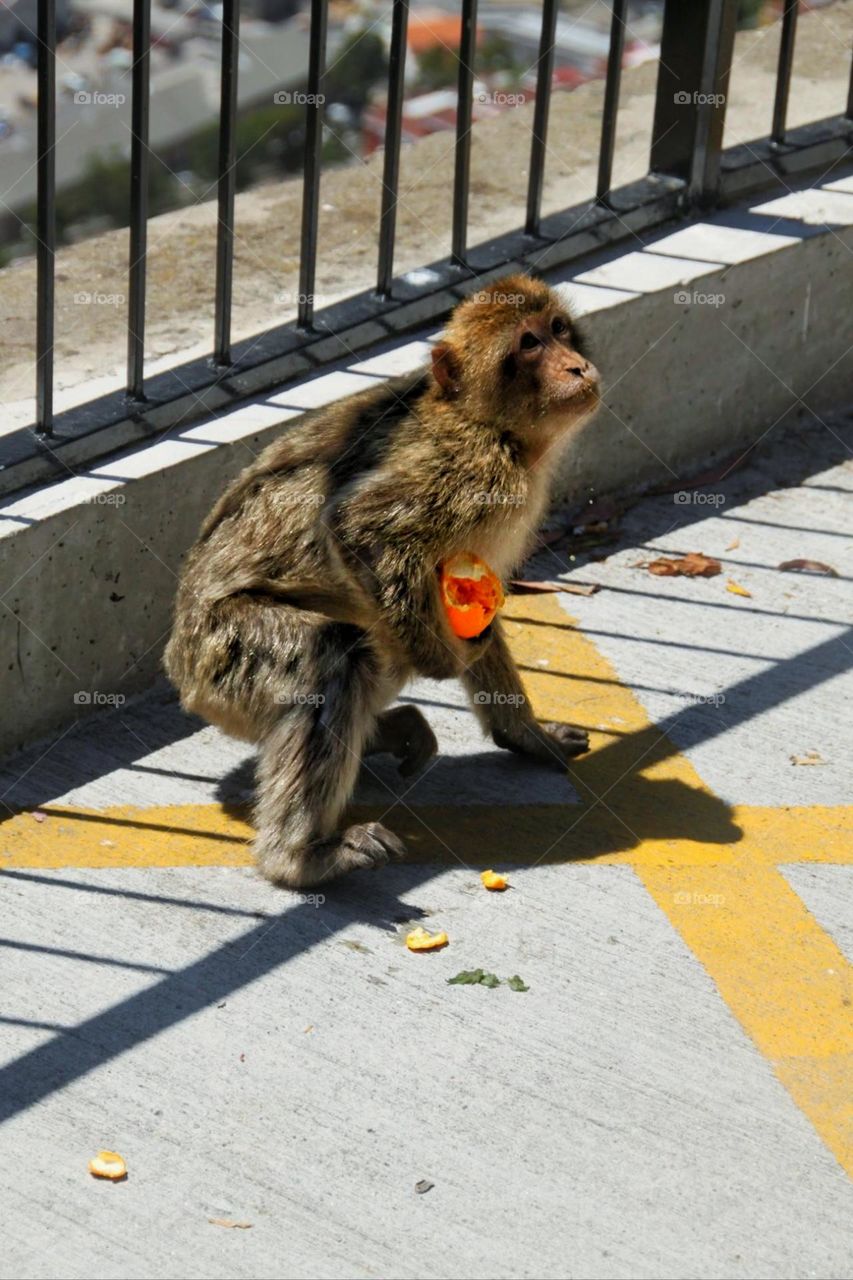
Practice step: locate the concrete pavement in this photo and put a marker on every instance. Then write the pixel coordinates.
(672, 1096)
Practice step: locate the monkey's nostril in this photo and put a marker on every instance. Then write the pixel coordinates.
(576, 371)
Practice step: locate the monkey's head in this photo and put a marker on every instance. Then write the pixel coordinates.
(511, 355)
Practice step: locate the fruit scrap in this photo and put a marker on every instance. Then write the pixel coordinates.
(471, 594)
(420, 940)
(108, 1164)
(492, 880)
(737, 590)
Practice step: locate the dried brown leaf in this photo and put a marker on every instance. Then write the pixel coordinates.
(693, 565)
(808, 566)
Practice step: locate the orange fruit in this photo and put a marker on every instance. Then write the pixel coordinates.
(471, 594)
(493, 880)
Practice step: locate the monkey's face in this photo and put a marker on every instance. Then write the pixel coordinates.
(545, 371)
(512, 357)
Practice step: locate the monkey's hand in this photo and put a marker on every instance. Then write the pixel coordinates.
(552, 743)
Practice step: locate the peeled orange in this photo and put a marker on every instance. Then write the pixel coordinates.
(471, 594)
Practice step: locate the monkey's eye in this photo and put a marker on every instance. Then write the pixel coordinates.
(558, 326)
(529, 341)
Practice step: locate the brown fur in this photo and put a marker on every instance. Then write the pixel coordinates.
(311, 595)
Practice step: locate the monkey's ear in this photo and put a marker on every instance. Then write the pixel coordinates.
(445, 368)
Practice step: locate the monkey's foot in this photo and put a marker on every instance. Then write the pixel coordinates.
(552, 743)
(405, 732)
(366, 846)
(361, 847)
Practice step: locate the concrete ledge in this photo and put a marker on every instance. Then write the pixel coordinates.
(707, 337)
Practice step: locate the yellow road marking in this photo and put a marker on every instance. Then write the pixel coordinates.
(710, 867)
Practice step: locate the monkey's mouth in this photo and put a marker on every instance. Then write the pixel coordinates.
(584, 397)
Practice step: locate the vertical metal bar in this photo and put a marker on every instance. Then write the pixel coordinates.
(611, 98)
(226, 182)
(783, 72)
(541, 108)
(692, 88)
(313, 146)
(393, 135)
(138, 198)
(464, 113)
(850, 93)
(46, 215)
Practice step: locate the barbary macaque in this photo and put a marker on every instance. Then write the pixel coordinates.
(312, 594)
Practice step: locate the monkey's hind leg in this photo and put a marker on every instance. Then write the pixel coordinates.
(405, 733)
(309, 763)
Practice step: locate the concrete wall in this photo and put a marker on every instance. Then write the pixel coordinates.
(707, 339)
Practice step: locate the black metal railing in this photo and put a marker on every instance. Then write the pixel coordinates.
(688, 169)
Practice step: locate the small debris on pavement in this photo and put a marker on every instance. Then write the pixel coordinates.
(230, 1222)
(810, 757)
(108, 1164)
(693, 565)
(733, 545)
(424, 1186)
(523, 587)
(420, 940)
(737, 590)
(352, 945)
(808, 566)
(242, 1057)
(493, 881)
(38, 815)
(479, 978)
(468, 978)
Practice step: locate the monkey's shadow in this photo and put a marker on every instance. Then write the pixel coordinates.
(492, 807)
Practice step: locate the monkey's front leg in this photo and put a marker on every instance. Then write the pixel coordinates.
(500, 703)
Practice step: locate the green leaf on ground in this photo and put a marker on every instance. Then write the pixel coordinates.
(467, 978)
(517, 984)
(490, 980)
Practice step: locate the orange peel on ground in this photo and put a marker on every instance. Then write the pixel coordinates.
(108, 1164)
(420, 940)
(494, 881)
(471, 594)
